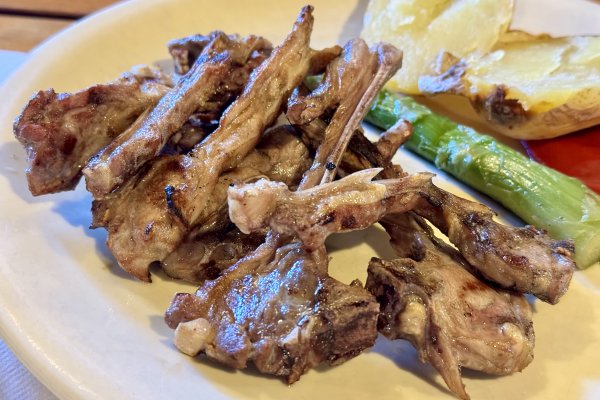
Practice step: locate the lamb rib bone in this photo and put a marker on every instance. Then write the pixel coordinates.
(351, 83)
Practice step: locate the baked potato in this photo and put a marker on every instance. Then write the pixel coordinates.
(423, 28)
(527, 87)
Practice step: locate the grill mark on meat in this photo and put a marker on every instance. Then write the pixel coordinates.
(327, 218)
(68, 145)
(169, 191)
(349, 222)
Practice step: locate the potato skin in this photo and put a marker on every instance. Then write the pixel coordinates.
(509, 109)
(510, 118)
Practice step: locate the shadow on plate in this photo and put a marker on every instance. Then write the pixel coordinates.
(12, 167)
(354, 23)
(405, 356)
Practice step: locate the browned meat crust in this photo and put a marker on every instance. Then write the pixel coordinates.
(524, 259)
(203, 87)
(453, 319)
(62, 131)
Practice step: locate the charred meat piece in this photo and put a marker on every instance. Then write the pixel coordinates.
(213, 245)
(217, 76)
(61, 131)
(149, 217)
(522, 259)
(350, 84)
(453, 319)
(278, 309)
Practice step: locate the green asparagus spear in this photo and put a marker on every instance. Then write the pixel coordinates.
(541, 196)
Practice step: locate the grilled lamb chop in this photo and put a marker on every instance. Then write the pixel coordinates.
(522, 259)
(218, 75)
(453, 319)
(280, 311)
(485, 342)
(151, 215)
(214, 245)
(351, 203)
(62, 131)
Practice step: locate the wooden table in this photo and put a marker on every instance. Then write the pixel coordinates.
(26, 23)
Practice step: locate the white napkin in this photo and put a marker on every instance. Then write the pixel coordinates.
(16, 382)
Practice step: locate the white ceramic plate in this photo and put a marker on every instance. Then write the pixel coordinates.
(88, 331)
